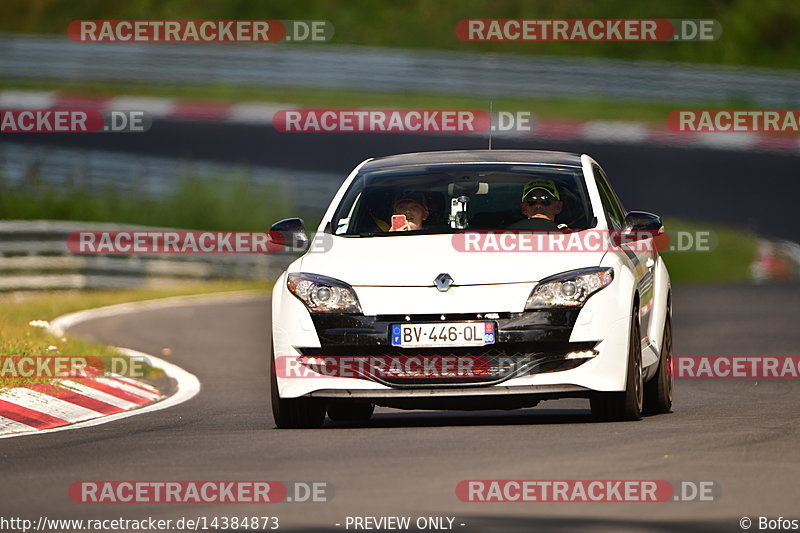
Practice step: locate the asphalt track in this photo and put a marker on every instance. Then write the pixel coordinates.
(742, 434)
(746, 189)
(739, 433)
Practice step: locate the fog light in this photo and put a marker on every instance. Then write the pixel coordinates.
(582, 354)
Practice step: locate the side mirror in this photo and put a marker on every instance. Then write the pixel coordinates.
(642, 221)
(292, 232)
(638, 226)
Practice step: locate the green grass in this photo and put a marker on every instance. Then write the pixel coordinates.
(19, 339)
(754, 32)
(577, 108)
(728, 262)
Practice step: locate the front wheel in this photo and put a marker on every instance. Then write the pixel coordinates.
(658, 391)
(625, 405)
(294, 413)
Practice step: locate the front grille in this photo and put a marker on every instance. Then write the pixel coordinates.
(437, 317)
(483, 365)
(542, 326)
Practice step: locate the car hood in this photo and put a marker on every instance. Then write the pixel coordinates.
(415, 260)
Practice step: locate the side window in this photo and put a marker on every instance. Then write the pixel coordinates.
(614, 213)
(343, 224)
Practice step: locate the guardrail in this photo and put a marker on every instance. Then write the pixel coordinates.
(380, 69)
(34, 255)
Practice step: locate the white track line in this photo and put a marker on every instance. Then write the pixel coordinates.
(59, 325)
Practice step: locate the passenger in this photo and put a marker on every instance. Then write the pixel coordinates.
(414, 207)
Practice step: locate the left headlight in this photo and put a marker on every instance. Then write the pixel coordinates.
(569, 289)
(321, 293)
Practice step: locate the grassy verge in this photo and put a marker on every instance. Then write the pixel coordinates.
(19, 339)
(728, 262)
(578, 108)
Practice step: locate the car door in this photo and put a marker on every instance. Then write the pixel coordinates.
(640, 257)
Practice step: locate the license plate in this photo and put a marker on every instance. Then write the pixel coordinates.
(443, 334)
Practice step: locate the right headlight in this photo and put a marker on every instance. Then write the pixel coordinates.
(569, 289)
(321, 293)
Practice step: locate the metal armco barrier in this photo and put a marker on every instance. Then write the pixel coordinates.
(381, 69)
(34, 255)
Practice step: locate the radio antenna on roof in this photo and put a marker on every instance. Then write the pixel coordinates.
(490, 123)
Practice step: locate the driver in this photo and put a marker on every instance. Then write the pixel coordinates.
(413, 206)
(541, 203)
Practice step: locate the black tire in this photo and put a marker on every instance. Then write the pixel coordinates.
(659, 391)
(294, 413)
(350, 411)
(625, 405)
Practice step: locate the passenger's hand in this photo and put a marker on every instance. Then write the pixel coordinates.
(404, 227)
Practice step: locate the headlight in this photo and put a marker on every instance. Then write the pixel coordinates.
(569, 289)
(321, 293)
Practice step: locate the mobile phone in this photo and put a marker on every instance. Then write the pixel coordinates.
(398, 221)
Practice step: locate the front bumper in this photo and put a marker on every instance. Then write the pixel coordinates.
(543, 333)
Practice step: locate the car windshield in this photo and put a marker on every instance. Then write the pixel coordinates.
(459, 197)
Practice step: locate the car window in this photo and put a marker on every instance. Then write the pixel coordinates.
(458, 197)
(614, 211)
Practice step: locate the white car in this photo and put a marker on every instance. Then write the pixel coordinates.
(431, 291)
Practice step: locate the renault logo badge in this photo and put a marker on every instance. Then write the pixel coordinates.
(443, 282)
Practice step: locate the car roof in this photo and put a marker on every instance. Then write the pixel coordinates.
(474, 156)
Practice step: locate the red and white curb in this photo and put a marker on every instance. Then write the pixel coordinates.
(245, 112)
(45, 406)
(261, 113)
(776, 260)
(85, 402)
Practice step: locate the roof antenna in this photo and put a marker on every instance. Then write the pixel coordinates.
(491, 103)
